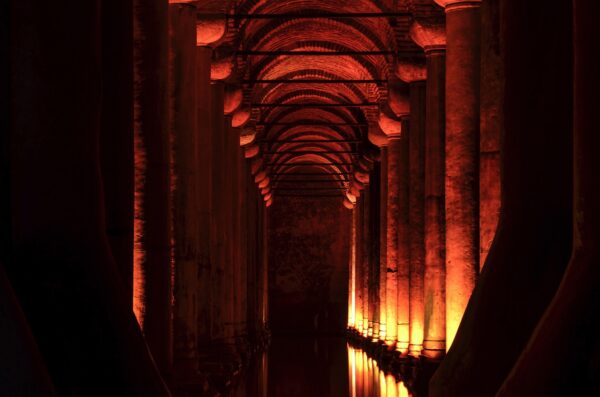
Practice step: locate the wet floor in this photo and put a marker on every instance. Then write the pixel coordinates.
(325, 367)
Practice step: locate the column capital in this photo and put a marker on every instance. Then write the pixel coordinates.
(234, 96)
(247, 136)
(222, 66)
(455, 5)
(390, 126)
(377, 136)
(429, 36)
(411, 71)
(210, 31)
(241, 117)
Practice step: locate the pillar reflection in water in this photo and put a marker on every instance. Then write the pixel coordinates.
(367, 380)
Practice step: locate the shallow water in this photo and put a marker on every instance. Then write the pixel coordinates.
(308, 367)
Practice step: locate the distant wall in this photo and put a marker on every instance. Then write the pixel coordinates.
(308, 265)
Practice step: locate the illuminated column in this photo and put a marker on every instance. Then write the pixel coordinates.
(379, 189)
(523, 270)
(432, 39)
(352, 272)
(152, 236)
(183, 185)
(416, 74)
(360, 274)
(463, 32)
(116, 139)
(366, 266)
(397, 268)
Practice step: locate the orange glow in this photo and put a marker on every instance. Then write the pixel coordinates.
(352, 289)
(367, 380)
(139, 254)
(416, 337)
(403, 337)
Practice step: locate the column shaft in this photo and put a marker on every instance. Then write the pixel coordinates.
(533, 242)
(184, 183)
(417, 213)
(403, 239)
(391, 232)
(491, 125)
(116, 138)
(366, 266)
(381, 212)
(204, 196)
(152, 236)
(462, 160)
(434, 343)
(60, 265)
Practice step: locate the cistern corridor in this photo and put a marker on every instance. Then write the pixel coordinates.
(299, 198)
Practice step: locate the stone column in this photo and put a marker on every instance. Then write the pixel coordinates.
(366, 266)
(396, 212)
(360, 274)
(432, 39)
(116, 138)
(60, 265)
(564, 344)
(219, 285)
(415, 74)
(378, 246)
(183, 93)
(152, 235)
(491, 126)
(534, 238)
(463, 33)
(204, 197)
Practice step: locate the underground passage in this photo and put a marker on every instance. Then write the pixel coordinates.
(299, 198)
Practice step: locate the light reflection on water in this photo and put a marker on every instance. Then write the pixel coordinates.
(367, 380)
(326, 367)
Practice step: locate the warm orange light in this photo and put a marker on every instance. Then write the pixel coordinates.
(402, 390)
(403, 338)
(139, 254)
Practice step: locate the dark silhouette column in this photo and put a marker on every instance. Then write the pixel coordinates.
(204, 197)
(116, 138)
(152, 237)
(533, 242)
(463, 34)
(184, 182)
(60, 264)
(432, 39)
(22, 366)
(491, 125)
(561, 357)
(415, 74)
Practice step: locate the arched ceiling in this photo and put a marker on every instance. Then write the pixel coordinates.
(310, 112)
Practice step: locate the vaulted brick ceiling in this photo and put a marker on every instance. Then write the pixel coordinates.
(306, 133)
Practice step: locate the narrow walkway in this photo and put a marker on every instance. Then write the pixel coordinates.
(324, 367)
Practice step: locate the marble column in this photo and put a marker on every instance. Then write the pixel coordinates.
(415, 74)
(558, 358)
(534, 238)
(116, 138)
(204, 196)
(432, 39)
(152, 231)
(183, 108)
(463, 35)
(60, 265)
